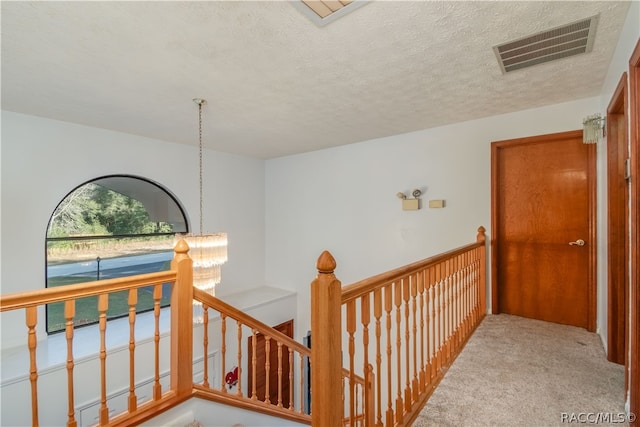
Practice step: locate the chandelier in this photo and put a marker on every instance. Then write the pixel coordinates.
(208, 251)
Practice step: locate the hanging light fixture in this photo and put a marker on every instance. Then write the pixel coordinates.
(208, 251)
(592, 129)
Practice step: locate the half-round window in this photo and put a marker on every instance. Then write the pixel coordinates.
(109, 227)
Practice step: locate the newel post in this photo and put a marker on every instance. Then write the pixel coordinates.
(182, 322)
(481, 237)
(326, 348)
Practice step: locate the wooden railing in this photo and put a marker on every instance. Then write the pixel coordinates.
(179, 277)
(429, 309)
(181, 354)
(421, 316)
(230, 332)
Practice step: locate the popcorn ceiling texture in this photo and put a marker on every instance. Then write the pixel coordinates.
(276, 83)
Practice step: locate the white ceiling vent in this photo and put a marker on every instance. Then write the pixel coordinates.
(556, 43)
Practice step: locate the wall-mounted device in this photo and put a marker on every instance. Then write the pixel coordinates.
(409, 204)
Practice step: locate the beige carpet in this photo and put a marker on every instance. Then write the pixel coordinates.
(522, 372)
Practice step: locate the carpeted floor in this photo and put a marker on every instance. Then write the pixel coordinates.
(522, 372)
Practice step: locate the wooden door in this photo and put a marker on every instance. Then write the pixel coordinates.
(543, 200)
(278, 367)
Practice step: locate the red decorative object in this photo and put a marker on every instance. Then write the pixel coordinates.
(232, 377)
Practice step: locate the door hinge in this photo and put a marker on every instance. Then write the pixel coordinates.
(627, 169)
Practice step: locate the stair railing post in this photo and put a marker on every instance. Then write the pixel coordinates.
(182, 322)
(481, 237)
(326, 348)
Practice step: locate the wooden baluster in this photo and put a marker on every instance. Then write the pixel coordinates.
(397, 299)
(355, 405)
(461, 279)
(239, 365)
(454, 305)
(279, 374)
(472, 279)
(388, 302)
(483, 276)
(351, 328)
(291, 379)
(365, 319)
(406, 291)
(326, 324)
(103, 305)
(157, 387)
(414, 311)
(476, 288)
(69, 313)
(445, 318)
(302, 401)
(377, 313)
(447, 309)
(132, 401)
(463, 293)
(440, 311)
(223, 350)
(369, 381)
(267, 367)
(467, 302)
(31, 319)
(421, 296)
(431, 308)
(345, 420)
(205, 345)
(254, 364)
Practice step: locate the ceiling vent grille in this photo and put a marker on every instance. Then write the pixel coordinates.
(323, 12)
(557, 43)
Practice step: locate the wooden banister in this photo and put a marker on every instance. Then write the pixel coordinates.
(326, 327)
(357, 289)
(232, 312)
(428, 310)
(76, 291)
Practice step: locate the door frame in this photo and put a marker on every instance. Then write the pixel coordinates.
(617, 225)
(634, 154)
(591, 188)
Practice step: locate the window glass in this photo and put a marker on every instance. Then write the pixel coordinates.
(110, 227)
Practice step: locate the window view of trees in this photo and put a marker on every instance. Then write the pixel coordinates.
(97, 233)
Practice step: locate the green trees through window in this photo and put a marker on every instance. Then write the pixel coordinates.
(110, 227)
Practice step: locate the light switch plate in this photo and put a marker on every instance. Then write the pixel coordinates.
(411, 204)
(436, 203)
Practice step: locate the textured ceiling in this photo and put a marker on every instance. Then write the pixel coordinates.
(276, 83)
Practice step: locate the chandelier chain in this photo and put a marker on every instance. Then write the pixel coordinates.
(200, 156)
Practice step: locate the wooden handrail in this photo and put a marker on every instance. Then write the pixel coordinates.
(234, 313)
(362, 287)
(80, 290)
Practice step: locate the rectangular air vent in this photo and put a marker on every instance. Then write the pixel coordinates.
(323, 12)
(556, 43)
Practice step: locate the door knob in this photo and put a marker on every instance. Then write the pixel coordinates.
(578, 242)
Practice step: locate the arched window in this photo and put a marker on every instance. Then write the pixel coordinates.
(109, 227)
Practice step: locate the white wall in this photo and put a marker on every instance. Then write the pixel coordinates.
(43, 160)
(213, 414)
(343, 199)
